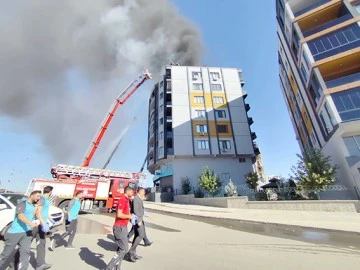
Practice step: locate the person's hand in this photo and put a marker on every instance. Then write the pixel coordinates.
(139, 224)
(45, 228)
(69, 219)
(33, 225)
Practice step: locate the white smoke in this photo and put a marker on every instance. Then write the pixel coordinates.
(107, 41)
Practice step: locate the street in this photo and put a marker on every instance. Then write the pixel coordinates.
(187, 244)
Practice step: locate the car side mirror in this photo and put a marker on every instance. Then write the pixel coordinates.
(3, 206)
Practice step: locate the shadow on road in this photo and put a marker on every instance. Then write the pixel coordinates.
(92, 258)
(107, 245)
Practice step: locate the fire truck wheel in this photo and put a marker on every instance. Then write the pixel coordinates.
(64, 205)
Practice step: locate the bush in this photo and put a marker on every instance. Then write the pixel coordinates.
(185, 185)
(230, 189)
(199, 193)
(210, 182)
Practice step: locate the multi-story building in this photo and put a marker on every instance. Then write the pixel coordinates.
(197, 118)
(319, 59)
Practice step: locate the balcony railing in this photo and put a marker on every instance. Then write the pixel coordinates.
(250, 121)
(247, 107)
(313, 6)
(327, 25)
(253, 136)
(343, 80)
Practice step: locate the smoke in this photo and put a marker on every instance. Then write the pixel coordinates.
(108, 42)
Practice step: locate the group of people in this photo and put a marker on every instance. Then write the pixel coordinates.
(32, 221)
(130, 207)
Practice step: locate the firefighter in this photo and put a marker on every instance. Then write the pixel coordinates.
(21, 231)
(120, 228)
(71, 222)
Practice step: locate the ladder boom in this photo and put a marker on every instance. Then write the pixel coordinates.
(113, 108)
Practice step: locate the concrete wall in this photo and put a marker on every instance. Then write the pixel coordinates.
(160, 197)
(243, 203)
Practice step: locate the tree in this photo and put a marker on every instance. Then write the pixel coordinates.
(210, 182)
(314, 172)
(230, 189)
(185, 185)
(252, 180)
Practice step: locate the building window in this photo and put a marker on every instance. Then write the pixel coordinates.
(348, 104)
(161, 121)
(352, 144)
(215, 76)
(330, 44)
(199, 100)
(161, 95)
(203, 144)
(224, 144)
(161, 151)
(201, 129)
(161, 108)
(220, 114)
(222, 128)
(168, 85)
(306, 60)
(329, 114)
(196, 75)
(198, 86)
(313, 138)
(298, 98)
(215, 87)
(161, 135)
(242, 160)
(325, 126)
(304, 73)
(200, 113)
(218, 100)
(161, 84)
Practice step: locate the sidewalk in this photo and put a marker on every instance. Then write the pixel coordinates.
(349, 222)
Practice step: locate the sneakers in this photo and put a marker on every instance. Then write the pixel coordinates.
(137, 257)
(130, 257)
(148, 244)
(44, 266)
(52, 244)
(69, 247)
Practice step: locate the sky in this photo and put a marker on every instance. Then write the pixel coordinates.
(239, 34)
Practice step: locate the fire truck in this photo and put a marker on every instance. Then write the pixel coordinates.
(101, 187)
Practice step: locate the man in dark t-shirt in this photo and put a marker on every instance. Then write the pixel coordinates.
(120, 228)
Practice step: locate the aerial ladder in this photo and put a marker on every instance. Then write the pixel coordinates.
(78, 172)
(120, 100)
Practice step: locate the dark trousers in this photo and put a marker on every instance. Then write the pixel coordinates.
(120, 235)
(11, 241)
(131, 233)
(139, 236)
(70, 231)
(40, 246)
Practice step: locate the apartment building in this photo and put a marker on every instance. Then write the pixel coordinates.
(319, 60)
(198, 117)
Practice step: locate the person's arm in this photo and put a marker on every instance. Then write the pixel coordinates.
(138, 210)
(38, 213)
(19, 212)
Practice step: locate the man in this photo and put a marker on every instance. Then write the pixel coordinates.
(139, 228)
(20, 232)
(42, 214)
(120, 228)
(71, 222)
(147, 242)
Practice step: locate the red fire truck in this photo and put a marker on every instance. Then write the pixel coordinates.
(101, 187)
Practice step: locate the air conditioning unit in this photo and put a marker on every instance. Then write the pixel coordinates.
(195, 77)
(215, 79)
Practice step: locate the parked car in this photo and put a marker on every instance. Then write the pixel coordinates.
(8, 203)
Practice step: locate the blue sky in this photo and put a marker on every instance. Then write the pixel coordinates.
(236, 33)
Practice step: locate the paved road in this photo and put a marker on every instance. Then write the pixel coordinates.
(187, 244)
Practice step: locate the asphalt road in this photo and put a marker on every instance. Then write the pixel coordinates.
(189, 244)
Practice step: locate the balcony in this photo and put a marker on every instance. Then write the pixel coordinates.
(247, 107)
(250, 121)
(343, 80)
(311, 7)
(253, 136)
(327, 25)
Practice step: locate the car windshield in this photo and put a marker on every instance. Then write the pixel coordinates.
(15, 199)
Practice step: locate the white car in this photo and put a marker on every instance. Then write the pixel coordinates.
(8, 203)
